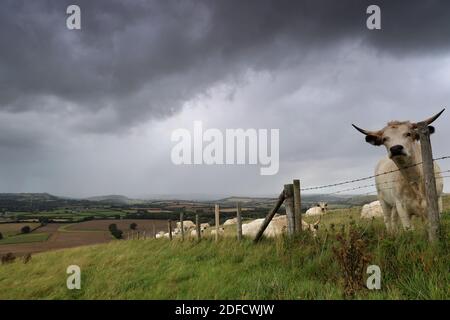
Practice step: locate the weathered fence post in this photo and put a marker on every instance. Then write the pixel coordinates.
(238, 221)
(297, 206)
(289, 205)
(217, 212)
(182, 224)
(143, 235)
(169, 226)
(137, 235)
(269, 217)
(429, 180)
(154, 230)
(197, 227)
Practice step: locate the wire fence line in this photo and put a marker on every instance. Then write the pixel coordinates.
(366, 178)
(386, 182)
(356, 196)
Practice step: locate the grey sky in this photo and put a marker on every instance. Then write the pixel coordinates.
(91, 112)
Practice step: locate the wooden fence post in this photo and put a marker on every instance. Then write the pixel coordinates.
(289, 205)
(143, 235)
(182, 225)
(297, 206)
(269, 217)
(430, 181)
(238, 221)
(197, 227)
(154, 230)
(169, 226)
(217, 212)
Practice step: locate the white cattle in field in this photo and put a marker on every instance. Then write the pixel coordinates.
(401, 193)
(194, 232)
(213, 231)
(371, 210)
(230, 222)
(187, 224)
(313, 227)
(319, 209)
(251, 228)
(204, 226)
(159, 235)
(276, 227)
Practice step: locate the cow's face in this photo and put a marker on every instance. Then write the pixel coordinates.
(323, 206)
(399, 138)
(400, 141)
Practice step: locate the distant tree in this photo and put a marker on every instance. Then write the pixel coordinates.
(117, 233)
(8, 258)
(117, 217)
(43, 221)
(25, 229)
(112, 227)
(133, 226)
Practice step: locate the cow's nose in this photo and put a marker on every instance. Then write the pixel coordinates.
(396, 150)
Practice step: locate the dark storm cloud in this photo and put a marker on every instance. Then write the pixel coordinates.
(142, 59)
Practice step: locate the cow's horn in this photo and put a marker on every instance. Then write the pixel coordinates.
(366, 132)
(431, 119)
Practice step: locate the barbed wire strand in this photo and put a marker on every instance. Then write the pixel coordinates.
(368, 177)
(387, 188)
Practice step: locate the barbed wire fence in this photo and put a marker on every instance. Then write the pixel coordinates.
(379, 187)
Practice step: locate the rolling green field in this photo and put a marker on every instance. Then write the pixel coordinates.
(302, 267)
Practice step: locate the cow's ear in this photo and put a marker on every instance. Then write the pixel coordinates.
(374, 139)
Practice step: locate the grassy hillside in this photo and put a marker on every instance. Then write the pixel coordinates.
(299, 268)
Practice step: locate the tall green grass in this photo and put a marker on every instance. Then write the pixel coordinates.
(302, 267)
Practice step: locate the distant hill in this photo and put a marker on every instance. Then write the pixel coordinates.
(246, 199)
(110, 199)
(309, 200)
(28, 196)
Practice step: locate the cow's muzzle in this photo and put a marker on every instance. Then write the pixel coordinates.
(397, 150)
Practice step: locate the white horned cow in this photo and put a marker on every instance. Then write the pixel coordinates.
(187, 224)
(319, 209)
(276, 227)
(230, 222)
(371, 210)
(401, 193)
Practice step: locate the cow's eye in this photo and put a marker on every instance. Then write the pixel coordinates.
(385, 139)
(408, 134)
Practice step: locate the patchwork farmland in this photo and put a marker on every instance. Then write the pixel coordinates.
(55, 236)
